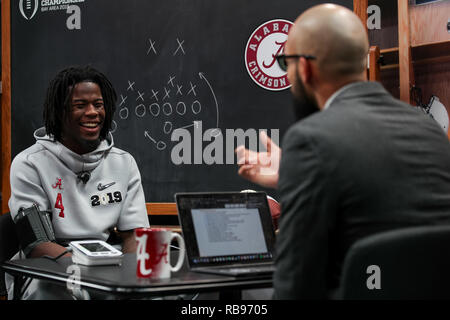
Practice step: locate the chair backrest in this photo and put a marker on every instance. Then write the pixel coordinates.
(410, 263)
(9, 245)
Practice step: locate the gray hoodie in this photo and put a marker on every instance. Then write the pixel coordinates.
(47, 174)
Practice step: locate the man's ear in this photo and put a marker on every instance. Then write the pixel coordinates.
(304, 71)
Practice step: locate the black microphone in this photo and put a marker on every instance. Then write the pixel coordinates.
(84, 176)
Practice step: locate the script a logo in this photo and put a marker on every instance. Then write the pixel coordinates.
(142, 255)
(28, 8)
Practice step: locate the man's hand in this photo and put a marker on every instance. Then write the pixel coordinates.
(260, 167)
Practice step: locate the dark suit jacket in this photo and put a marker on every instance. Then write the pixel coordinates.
(366, 164)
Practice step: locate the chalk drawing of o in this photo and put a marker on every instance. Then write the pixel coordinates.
(167, 109)
(113, 126)
(155, 109)
(140, 110)
(196, 107)
(123, 113)
(181, 108)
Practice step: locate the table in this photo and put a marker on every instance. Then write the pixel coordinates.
(121, 281)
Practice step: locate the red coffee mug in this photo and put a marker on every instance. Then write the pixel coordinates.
(153, 253)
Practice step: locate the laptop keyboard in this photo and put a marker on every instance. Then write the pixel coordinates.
(250, 270)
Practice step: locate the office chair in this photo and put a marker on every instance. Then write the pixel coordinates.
(9, 245)
(409, 263)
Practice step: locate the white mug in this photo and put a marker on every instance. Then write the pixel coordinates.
(153, 253)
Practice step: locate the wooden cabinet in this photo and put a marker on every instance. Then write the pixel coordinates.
(414, 49)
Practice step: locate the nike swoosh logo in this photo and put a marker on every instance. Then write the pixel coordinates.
(101, 187)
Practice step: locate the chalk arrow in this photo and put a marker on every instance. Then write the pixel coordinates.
(194, 123)
(202, 76)
(147, 135)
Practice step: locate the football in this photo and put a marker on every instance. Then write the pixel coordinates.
(275, 210)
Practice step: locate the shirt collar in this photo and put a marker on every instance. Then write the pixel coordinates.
(338, 92)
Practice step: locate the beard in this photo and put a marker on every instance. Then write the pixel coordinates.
(303, 103)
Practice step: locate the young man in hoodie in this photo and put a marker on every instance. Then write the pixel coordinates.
(74, 171)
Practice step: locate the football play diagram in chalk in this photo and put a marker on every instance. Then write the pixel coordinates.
(173, 105)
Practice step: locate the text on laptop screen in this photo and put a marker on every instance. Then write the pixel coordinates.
(228, 231)
(223, 228)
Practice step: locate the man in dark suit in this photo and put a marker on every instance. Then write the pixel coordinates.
(364, 163)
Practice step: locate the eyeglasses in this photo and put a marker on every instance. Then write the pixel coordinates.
(282, 59)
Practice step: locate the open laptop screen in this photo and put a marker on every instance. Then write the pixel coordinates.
(226, 228)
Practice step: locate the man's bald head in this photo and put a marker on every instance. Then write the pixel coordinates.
(335, 36)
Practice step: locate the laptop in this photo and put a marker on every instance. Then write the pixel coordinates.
(227, 233)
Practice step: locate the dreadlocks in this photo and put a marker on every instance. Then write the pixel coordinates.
(57, 103)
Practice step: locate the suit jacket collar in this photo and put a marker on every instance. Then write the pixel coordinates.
(356, 90)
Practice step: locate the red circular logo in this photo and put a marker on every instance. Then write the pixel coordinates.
(265, 43)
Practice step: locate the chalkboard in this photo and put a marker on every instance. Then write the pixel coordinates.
(174, 64)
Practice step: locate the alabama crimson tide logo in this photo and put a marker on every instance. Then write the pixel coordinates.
(266, 42)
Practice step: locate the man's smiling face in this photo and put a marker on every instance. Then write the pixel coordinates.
(84, 122)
